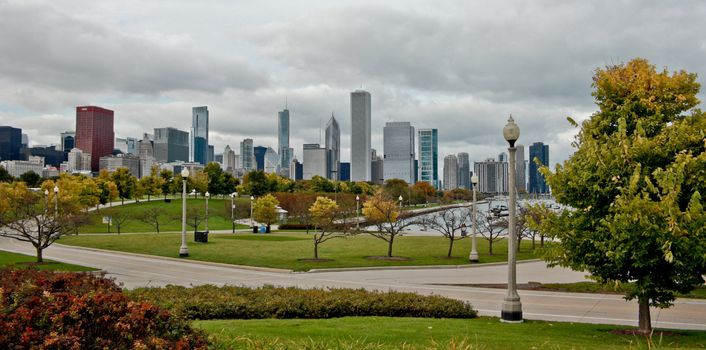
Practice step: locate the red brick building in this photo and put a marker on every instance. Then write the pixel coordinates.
(94, 132)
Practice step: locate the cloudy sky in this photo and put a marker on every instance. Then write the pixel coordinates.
(459, 66)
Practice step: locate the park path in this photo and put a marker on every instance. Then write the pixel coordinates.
(138, 270)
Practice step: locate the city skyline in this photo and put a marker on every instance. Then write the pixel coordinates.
(445, 71)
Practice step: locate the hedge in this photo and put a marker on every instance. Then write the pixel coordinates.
(49, 310)
(229, 302)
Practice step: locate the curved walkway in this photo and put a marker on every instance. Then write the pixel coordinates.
(138, 270)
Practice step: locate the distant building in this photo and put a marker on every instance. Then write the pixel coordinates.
(78, 161)
(51, 155)
(247, 155)
(25, 141)
(502, 157)
(94, 132)
(361, 161)
(377, 168)
(450, 172)
(315, 161)
(345, 171)
(492, 176)
(67, 141)
(211, 154)
(296, 170)
(398, 140)
(18, 167)
(259, 152)
(229, 160)
(283, 137)
(126, 145)
(10, 143)
(146, 155)
(333, 147)
(112, 163)
(464, 171)
(199, 135)
(171, 145)
(428, 153)
(540, 152)
(271, 160)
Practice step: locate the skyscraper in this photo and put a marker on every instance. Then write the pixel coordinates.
(315, 163)
(10, 143)
(398, 152)
(464, 171)
(539, 151)
(94, 132)
(229, 164)
(171, 145)
(199, 135)
(259, 152)
(333, 147)
(283, 137)
(492, 176)
(271, 160)
(377, 168)
(361, 166)
(67, 141)
(428, 154)
(247, 155)
(450, 172)
(502, 157)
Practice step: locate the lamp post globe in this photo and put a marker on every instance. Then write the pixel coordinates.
(357, 212)
(232, 209)
(183, 249)
(512, 307)
(56, 200)
(400, 199)
(208, 195)
(473, 257)
(252, 198)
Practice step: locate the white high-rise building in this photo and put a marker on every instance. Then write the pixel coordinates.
(521, 168)
(315, 161)
(492, 176)
(333, 147)
(78, 161)
(361, 167)
(229, 160)
(398, 152)
(272, 160)
(450, 172)
(283, 137)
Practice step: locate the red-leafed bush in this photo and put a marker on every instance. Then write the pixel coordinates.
(49, 310)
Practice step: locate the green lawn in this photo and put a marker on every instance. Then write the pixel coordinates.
(21, 261)
(219, 215)
(284, 250)
(426, 333)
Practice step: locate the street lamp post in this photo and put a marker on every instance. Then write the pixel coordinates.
(400, 199)
(512, 307)
(183, 250)
(46, 202)
(252, 198)
(232, 208)
(56, 201)
(357, 212)
(473, 257)
(208, 195)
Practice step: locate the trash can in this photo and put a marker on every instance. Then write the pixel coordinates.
(167, 200)
(201, 236)
(263, 229)
(254, 229)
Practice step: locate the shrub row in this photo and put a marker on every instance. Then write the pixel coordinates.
(294, 226)
(49, 310)
(211, 302)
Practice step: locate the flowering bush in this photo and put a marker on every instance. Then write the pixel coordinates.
(211, 302)
(49, 310)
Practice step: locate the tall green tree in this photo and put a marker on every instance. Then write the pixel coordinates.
(152, 184)
(31, 178)
(636, 182)
(167, 181)
(126, 183)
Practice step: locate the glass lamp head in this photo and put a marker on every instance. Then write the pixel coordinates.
(511, 131)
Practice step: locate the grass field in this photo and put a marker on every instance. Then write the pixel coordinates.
(219, 215)
(284, 250)
(21, 261)
(425, 333)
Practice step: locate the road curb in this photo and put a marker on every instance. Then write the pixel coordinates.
(420, 267)
(201, 262)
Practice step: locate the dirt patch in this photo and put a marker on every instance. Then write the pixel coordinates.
(636, 332)
(315, 260)
(389, 258)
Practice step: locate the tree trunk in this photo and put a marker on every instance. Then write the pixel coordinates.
(316, 248)
(645, 322)
(490, 247)
(122, 200)
(534, 241)
(451, 247)
(541, 241)
(40, 258)
(389, 246)
(519, 243)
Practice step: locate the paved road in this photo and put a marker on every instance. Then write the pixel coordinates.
(135, 271)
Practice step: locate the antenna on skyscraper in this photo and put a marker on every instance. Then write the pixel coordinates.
(285, 102)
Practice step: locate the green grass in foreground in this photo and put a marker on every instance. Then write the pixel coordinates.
(219, 215)
(21, 261)
(285, 250)
(426, 333)
(593, 287)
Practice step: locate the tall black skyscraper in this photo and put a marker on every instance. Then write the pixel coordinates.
(539, 151)
(10, 143)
